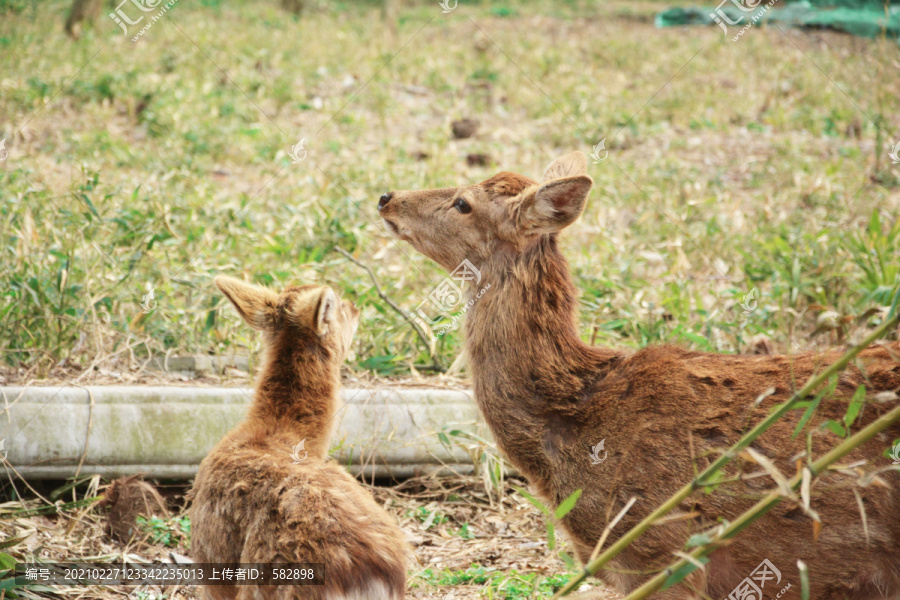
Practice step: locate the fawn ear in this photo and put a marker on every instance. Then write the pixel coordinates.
(568, 165)
(256, 305)
(558, 203)
(327, 313)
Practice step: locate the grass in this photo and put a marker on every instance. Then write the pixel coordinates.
(732, 166)
(495, 585)
(174, 532)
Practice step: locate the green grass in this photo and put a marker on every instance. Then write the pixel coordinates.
(500, 586)
(171, 533)
(732, 166)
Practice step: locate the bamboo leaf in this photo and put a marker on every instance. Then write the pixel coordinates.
(804, 580)
(807, 416)
(679, 574)
(533, 501)
(772, 470)
(805, 484)
(567, 505)
(856, 404)
(12, 542)
(835, 428)
(568, 560)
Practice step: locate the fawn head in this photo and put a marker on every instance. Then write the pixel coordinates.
(499, 217)
(310, 313)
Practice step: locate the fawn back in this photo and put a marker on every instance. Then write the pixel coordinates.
(266, 493)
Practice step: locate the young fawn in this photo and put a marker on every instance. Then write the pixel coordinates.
(259, 498)
(664, 412)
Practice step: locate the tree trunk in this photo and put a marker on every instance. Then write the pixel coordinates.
(294, 6)
(82, 11)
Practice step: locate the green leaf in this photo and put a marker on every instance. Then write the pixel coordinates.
(90, 205)
(551, 535)
(835, 428)
(683, 572)
(533, 501)
(807, 415)
(856, 404)
(568, 560)
(12, 542)
(804, 580)
(698, 539)
(567, 505)
(695, 338)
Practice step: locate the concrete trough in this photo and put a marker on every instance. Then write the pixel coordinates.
(164, 432)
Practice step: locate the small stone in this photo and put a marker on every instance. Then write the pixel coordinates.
(464, 128)
(478, 159)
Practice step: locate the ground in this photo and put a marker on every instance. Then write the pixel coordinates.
(468, 543)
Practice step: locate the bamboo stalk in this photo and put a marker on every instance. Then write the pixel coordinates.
(669, 505)
(767, 503)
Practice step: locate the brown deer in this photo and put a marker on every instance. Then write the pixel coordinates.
(663, 412)
(266, 493)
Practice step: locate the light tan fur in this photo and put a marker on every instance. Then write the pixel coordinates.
(252, 502)
(664, 411)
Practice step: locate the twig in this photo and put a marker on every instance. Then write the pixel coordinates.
(610, 526)
(429, 343)
(90, 426)
(6, 403)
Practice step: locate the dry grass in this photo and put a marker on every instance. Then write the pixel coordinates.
(467, 544)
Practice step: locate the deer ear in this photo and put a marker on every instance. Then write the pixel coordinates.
(568, 165)
(327, 313)
(256, 305)
(558, 203)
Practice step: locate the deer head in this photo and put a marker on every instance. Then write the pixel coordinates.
(497, 219)
(306, 311)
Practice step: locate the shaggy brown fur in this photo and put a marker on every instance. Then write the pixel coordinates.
(548, 398)
(253, 503)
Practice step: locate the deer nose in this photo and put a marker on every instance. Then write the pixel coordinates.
(385, 198)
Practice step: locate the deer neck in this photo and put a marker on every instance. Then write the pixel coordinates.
(529, 365)
(297, 394)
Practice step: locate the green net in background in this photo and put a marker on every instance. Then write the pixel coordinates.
(864, 18)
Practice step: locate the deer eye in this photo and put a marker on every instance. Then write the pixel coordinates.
(462, 206)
